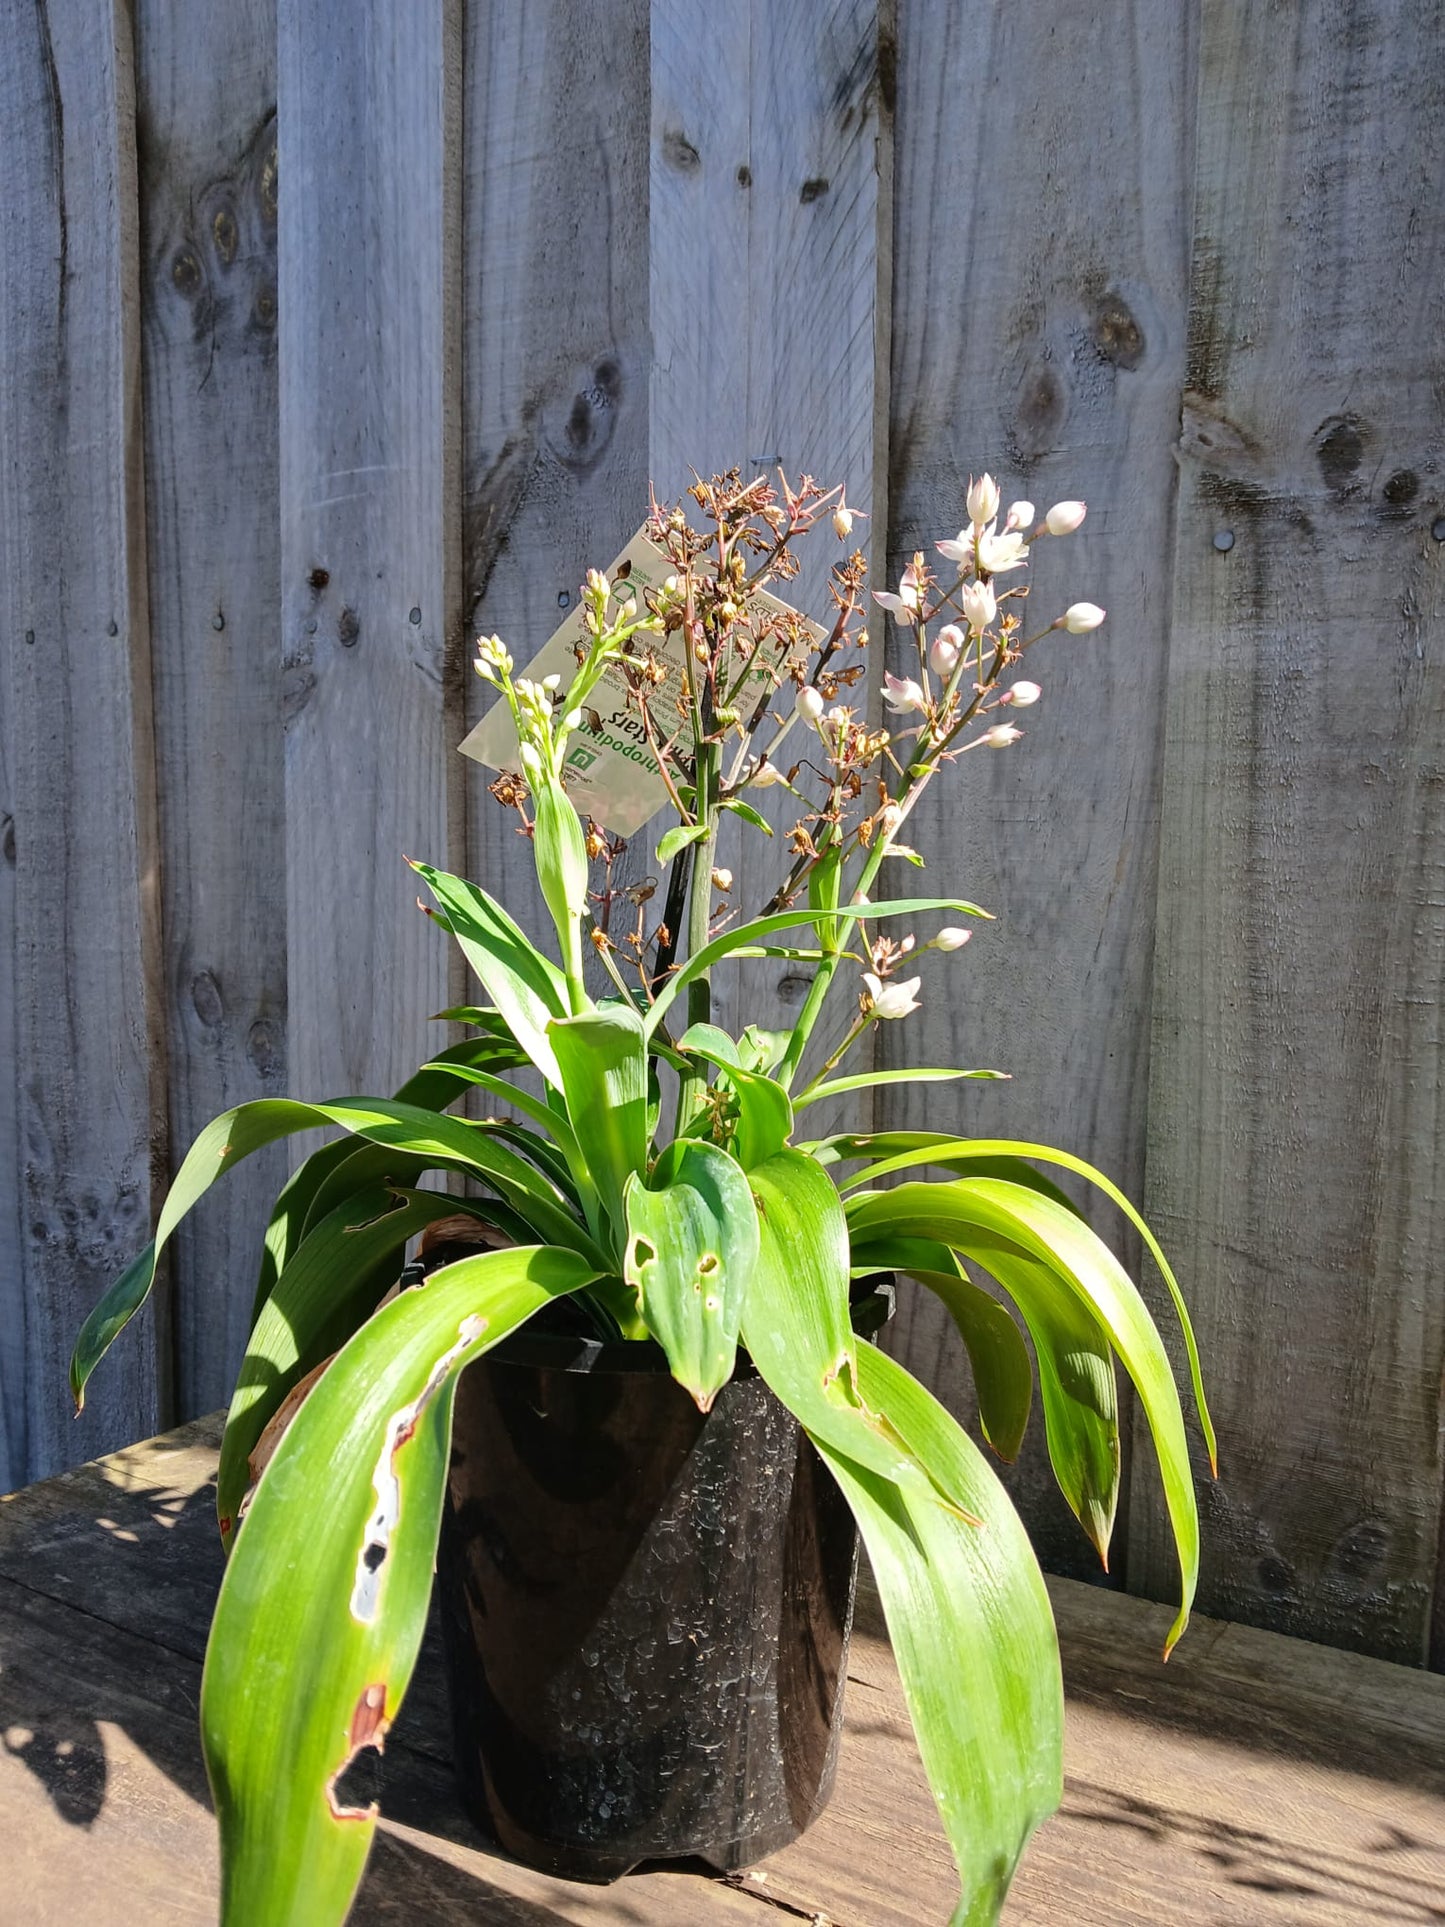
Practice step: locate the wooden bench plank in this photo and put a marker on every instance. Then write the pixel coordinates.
(1256, 1779)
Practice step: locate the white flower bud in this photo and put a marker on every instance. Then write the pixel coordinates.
(1001, 735)
(722, 880)
(889, 817)
(809, 705)
(1064, 517)
(1081, 617)
(531, 761)
(943, 651)
(979, 605)
(951, 938)
(982, 499)
(550, 683)
(1022, 694)
(1020, 516)
(628, 611)
(891, 1001)
(598, 585)
(842, 522)
(573, 719)
(765, 775)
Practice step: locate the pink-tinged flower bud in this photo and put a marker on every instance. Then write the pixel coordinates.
(951, 938)
(1081, 617)
(902, 694)
(943, 651)
(891, 1001)
(982, 499)
(842, 522)
(809, 705)
(1020, 516)
(979, 605)
(1022, 694)
(1001, 735)
(1064, 517)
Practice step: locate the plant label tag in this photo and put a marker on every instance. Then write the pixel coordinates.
(611, 774)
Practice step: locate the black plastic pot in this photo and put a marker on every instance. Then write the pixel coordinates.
(645, 1611)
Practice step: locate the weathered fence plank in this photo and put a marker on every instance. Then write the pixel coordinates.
(85, 1098)
(770, 190)
(1039, 289)
(368, 113)
(1296, 1157)
(555, 277)
(206, 94)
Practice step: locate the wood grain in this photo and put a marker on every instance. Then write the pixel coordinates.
(1039, 294)
(1296, 1153)
(206, 85)
(555, 423)
(369, 318)
(770, 199)
(1211, 1790)
(84, 1098)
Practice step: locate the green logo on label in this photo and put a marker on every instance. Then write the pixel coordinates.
(581, 758)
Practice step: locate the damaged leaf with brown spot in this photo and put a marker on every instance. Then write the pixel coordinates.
(345, 1515)
(692, 1242)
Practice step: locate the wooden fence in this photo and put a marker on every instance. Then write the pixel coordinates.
(333, 334)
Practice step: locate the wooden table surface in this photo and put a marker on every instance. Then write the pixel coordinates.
(1254, 1780)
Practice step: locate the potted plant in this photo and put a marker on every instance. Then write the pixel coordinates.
(653, 1196)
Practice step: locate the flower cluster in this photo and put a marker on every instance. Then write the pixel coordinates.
(769, 702)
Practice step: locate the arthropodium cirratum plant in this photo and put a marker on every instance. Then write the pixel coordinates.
(727, 1229)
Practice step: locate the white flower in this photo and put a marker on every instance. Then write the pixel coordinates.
(1022, 694)
(951, 938)
(904, 606)
(982, 499)
(943, 651)
(1020, 516)
(959, 550)
(1001, 735)
(999, 553)
(842, 522)
(1081, 617)
(1064, 517)
(902, 694)
(891, 1000)
(809, 705)
(979, 604)
(764, 775)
